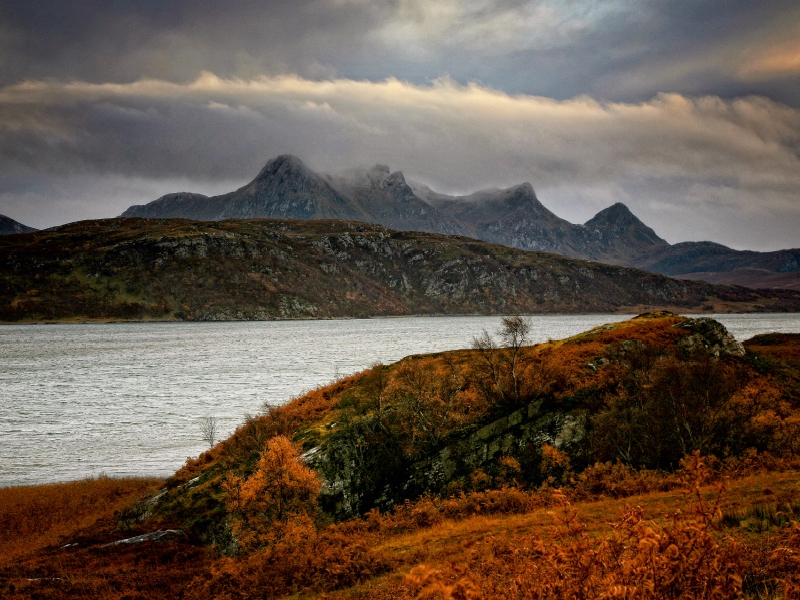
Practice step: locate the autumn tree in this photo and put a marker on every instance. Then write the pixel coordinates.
(280, 495)
(502, 365)
(427, 395)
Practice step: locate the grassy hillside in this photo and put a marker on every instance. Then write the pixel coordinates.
(276, 269)
(651, 458)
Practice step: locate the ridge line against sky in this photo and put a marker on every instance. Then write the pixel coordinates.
(689, 113)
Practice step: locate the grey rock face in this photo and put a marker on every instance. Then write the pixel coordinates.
(615, 234)
(515, 217)
(512, 217)
(155, 536)
(711, 336)
(285, 188)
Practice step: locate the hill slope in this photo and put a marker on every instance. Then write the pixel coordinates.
(716, 263)
(9, 226)
(268, 269)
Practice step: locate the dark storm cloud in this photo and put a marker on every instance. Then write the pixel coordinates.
(614, 49)
(122, 41)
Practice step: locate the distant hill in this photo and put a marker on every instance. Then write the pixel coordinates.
(9, 226)
(287, 188)
(176, 269)
(716, 263)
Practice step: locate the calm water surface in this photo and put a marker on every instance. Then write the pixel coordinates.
(127, 399)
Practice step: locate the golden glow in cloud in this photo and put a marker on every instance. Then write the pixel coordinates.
(702, 156)
(748, 137)
(779, 55)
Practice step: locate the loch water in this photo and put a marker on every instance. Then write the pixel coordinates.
(81, 400)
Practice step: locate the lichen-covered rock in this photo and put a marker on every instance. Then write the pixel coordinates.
(709, 335)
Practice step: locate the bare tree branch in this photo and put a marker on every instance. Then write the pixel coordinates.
(209, 428)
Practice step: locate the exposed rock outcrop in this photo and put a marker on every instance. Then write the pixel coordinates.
(711, 336)
(155, 536)
(517, 433)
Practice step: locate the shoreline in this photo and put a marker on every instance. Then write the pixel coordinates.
(625, 311)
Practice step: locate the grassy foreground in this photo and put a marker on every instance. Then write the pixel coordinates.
(495, 545)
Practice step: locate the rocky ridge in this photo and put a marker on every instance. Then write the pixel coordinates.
(539, 422)
(281, 269)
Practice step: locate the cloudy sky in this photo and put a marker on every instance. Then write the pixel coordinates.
(688, 111)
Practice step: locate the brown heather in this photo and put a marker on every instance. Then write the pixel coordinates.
(33, 517)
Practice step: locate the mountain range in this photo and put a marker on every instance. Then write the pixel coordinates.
(287, 188)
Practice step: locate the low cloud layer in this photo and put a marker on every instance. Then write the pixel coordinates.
(692, 168)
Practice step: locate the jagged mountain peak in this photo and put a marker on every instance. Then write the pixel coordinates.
(523, 195)
(377, 175)
(384, 177)
(285, 161)
(388, 199)
(618, 221)
(615, 213)
(281, 171)
(517, 196)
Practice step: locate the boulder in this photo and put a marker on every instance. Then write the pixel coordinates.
(709, 335)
